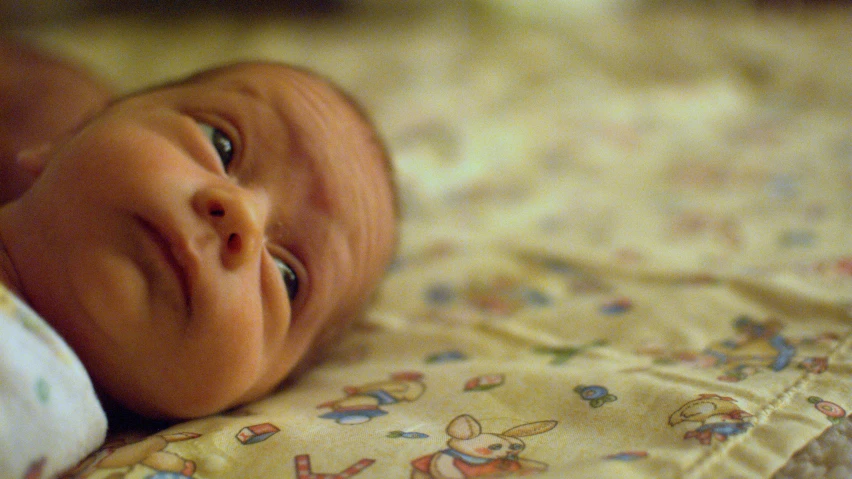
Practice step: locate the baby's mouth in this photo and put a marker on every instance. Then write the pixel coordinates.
(172, 259)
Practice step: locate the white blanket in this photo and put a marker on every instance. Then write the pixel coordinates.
(50, 417)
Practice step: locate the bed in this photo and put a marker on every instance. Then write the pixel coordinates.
(625, 248)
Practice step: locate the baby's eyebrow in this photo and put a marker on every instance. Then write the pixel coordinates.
(246, 89)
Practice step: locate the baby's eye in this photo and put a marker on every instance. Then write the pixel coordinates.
(221, 142)
(291, 281)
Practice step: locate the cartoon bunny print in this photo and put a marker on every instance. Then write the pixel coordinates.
(473, 453)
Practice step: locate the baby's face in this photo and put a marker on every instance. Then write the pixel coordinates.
(199, 236)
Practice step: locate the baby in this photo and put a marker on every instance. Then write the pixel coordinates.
(196, 242)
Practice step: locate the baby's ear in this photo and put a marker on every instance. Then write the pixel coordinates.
(34, 158)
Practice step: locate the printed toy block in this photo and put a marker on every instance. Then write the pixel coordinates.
(257, 433)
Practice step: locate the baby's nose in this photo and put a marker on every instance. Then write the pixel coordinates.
(237, 216)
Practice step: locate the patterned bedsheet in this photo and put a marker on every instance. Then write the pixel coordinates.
(625, 249)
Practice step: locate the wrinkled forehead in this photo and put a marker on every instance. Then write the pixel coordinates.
(282, 86)
(306, 103)
(254, 77)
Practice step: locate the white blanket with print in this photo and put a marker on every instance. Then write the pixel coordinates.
(50, 417)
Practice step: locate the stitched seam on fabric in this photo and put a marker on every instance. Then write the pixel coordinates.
(780, 400)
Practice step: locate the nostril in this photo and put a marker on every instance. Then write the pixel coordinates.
(235, 243)
(216, 209)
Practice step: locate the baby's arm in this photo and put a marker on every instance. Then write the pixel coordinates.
(41, 98)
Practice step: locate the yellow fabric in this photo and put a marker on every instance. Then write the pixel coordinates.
(625, 243)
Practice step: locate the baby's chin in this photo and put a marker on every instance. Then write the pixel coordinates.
(155, 398)
(171, 407)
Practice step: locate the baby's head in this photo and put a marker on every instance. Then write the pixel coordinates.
(193, 241)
